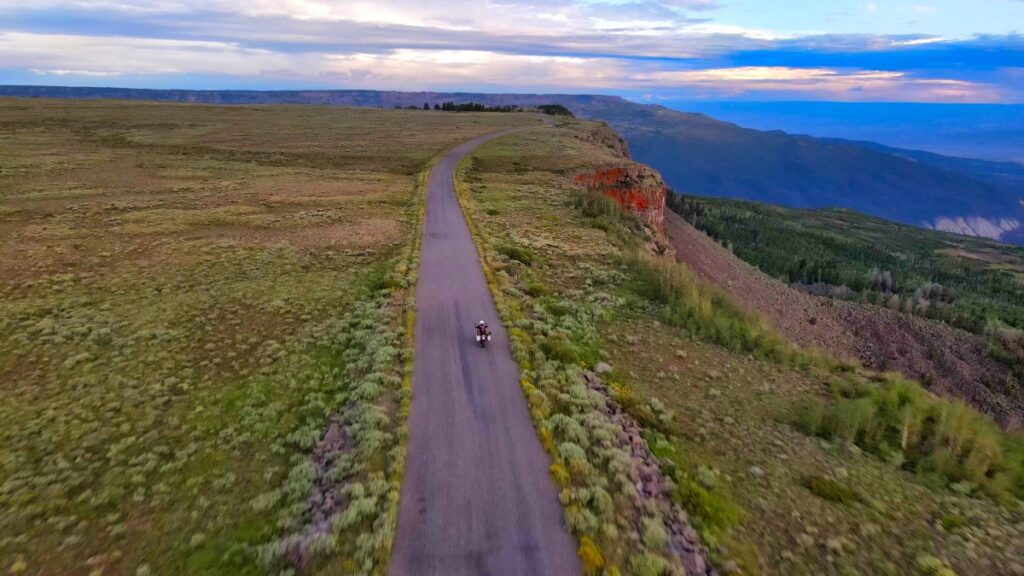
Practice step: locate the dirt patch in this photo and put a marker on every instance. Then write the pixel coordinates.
(949, 361)
(360, 234)
(357, 235)
(987, 256)
(282, 188)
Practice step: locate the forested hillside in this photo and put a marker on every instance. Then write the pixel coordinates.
(970, 283)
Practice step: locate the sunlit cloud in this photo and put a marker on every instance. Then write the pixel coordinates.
(919, 41)
(93, 73)
(658, 47)
(837, 84)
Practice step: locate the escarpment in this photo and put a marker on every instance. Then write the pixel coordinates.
(636, 188)
(605, 135)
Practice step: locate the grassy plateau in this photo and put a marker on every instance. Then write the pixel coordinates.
(787, 462)
(202, 341)
(194, 378)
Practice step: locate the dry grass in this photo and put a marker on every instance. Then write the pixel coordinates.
(179, 287)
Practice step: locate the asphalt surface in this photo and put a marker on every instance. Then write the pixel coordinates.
(477, 497)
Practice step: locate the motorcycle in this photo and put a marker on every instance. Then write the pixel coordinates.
(483, 337)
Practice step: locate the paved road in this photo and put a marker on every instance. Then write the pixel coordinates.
(477, 498)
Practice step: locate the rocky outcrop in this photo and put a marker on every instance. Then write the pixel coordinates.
(655, 490)
(994, 228)
(636, 188)
(603, 134)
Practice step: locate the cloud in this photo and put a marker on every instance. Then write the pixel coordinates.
(835, 84)
(469, 69)
(657, 46)
(93, 73)
(919, 41)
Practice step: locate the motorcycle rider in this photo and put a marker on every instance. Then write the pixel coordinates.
(482, 329)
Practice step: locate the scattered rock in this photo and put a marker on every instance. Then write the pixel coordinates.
(731, 568)
(836, 545)
(882, 339)
(683, 541)
(756, 472)
(602, 368)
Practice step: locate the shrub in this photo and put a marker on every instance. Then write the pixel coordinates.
(951, 522)
(702, 309)
(516, 253)
(555, 110)
(1006, 344)
(941, 438)
(536, 289)
(557, 347)
(605, 214)
(647, 565)
(637, 407)
(931, 566)
(829, 489)
(559, 309)
(710, 509)
(654, 534)
(590, 556)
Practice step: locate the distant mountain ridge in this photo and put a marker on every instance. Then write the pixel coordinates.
(367, 98)
(700, 155)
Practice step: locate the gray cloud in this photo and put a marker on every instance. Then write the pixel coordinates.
(651, 45)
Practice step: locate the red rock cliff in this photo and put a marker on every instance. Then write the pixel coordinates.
(633, 186)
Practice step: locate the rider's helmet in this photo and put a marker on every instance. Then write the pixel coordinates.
(480, 323)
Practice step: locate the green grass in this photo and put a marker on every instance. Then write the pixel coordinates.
(901, 423)
(714, 390)
(828, 489)
(701, 309)
(517, 253)
(189, 296)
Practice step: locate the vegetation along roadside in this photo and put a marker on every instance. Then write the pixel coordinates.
(786, 462)
(204, 324)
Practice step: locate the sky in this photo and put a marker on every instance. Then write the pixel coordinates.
(953, 51)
